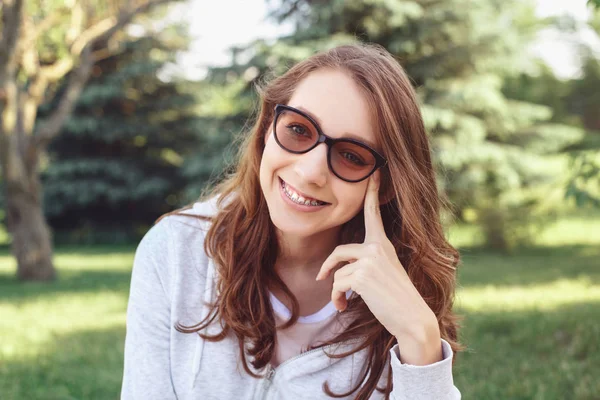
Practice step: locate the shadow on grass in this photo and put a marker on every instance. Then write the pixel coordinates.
(529, 266)
(80, 365)
(550, 355)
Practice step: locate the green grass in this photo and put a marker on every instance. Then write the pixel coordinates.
(3, 234)
(531, 320)
(64, 340)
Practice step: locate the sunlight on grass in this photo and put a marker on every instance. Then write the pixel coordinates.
(7, 264)
(577, 230)
(573, 230)
(34, 314)
(28, 328)
(107, 262)
(110, 260)
(546, 296)
(464, 236)
(3, 233)
(582, 228)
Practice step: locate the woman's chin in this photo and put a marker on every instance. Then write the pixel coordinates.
(287, 228)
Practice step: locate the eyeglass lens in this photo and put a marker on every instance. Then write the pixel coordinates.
(348, 160)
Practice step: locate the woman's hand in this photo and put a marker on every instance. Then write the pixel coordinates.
(376, 274)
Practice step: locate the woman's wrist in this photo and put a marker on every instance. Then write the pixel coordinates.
(423, 346)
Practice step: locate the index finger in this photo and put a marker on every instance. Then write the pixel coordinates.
(373, 223)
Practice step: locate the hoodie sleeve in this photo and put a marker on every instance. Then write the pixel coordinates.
(147, 371)
(426, 382)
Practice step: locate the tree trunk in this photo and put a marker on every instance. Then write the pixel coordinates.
(31, 238)
(20, 144)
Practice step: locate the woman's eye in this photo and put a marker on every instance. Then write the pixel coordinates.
(298, 130)
(353, 158)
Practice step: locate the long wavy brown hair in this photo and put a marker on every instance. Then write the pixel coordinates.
(242, 239)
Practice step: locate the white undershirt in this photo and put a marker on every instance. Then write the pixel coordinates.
(308, 331)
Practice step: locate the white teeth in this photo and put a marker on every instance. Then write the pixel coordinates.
(296, 198)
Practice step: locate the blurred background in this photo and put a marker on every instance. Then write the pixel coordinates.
(113, 113)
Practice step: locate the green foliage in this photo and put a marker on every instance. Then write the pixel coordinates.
(223, 107)
(574, 102)
(584, 185)
(585, 93)
(541, 86)
(584, 100)
(491, 142)
(117, 161)
(53, 44)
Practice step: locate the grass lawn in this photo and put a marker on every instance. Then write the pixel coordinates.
(531, 320)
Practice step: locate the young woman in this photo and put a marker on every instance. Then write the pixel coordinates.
(319, 268)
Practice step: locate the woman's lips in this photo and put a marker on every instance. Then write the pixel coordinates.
(296, 206)
(282, 182)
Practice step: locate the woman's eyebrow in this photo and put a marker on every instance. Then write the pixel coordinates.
(346, 135)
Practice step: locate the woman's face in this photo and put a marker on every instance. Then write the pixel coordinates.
(336, 103)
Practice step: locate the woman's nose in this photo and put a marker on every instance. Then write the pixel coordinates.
(312, 166)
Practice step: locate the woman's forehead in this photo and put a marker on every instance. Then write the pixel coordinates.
(336, 103)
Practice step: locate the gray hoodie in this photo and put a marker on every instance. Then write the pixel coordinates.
(172, 279)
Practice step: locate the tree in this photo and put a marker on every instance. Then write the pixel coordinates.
(115, 167)
(41, 45)
(585, 93)
(491, 149)
(574, 102)
(225, 100)
(584, 100)
(541, 86)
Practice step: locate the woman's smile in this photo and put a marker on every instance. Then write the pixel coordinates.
(298, 200)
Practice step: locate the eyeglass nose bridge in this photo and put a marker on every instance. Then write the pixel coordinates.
(323, 138)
